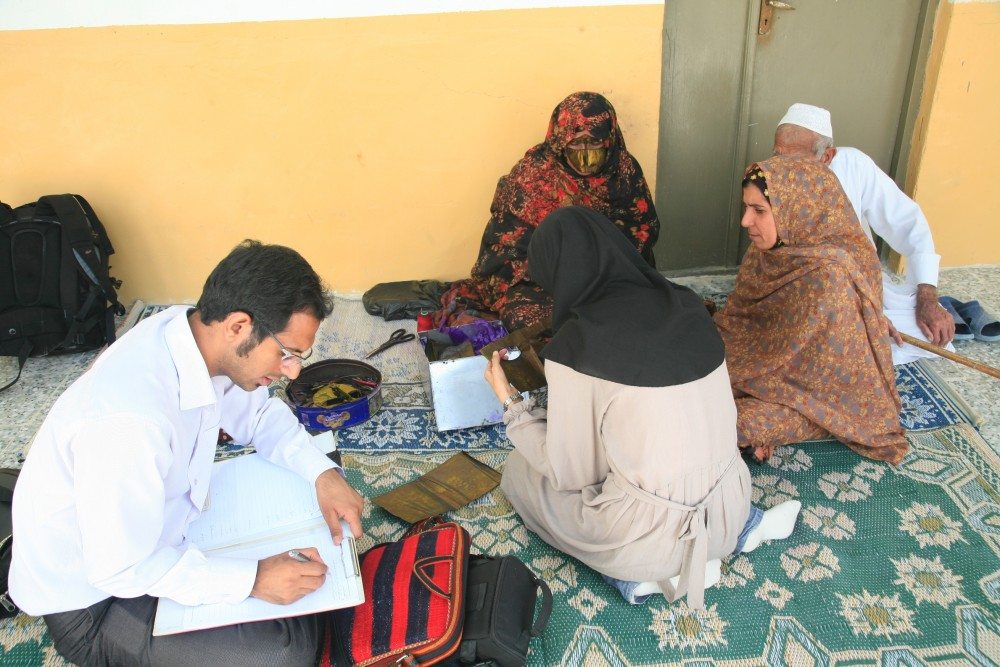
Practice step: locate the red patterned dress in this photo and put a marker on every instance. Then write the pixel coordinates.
(541, 182)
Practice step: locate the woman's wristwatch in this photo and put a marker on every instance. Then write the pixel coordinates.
(512, 399)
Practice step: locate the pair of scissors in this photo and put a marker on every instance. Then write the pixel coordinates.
(398, 336)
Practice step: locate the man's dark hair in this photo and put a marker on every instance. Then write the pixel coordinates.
(268, 282)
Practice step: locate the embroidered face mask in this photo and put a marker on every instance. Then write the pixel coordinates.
(586, 161)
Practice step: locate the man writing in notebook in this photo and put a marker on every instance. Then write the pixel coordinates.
(121, 467)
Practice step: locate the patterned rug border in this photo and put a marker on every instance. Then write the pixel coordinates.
(788, 644)
(967, 412)
(967, 441)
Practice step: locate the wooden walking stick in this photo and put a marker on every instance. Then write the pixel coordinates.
(941, 352)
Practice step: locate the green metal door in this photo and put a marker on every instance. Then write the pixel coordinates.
(726, 86)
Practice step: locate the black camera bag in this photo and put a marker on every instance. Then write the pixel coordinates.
(500, 612)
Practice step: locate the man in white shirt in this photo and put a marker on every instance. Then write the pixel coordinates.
(121, 467)
(882, 208)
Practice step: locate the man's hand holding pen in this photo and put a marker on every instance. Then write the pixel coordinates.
(286, 577)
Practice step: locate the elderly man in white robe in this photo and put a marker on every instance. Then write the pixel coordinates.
(912, 306)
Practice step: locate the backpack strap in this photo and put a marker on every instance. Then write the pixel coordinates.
(72, 231)
(79, 240)
(78, 250)
(8, 478)
(102, 235)
(108, 285)
(77, 325)
(22, 358)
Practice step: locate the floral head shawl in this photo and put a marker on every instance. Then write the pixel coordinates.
(804, 326)
(542, 182)
(583, 112)
(755, 176)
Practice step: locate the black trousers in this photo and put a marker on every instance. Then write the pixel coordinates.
(119, 631)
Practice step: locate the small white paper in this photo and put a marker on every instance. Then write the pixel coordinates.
(325, 442)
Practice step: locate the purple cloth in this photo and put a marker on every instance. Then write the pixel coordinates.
(480, 333)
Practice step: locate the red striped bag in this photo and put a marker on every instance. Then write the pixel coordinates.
(414, 601)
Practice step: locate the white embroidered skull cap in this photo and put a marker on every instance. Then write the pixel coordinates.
(812, 118)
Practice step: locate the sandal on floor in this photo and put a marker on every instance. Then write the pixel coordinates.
(751, 453)
(984, 326)
(962, 329)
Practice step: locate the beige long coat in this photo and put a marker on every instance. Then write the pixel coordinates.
(636, 482)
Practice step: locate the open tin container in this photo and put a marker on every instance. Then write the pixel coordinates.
(344, 414)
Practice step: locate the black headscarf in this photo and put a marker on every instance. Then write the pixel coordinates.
(614, 316)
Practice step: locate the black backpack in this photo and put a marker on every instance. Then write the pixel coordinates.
(56, 295)
(8, 478)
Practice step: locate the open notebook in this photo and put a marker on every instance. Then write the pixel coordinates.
(257, 509)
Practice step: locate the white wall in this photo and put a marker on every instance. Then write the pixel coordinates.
(37, 14)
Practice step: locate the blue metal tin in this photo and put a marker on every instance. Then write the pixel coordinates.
(340, 416)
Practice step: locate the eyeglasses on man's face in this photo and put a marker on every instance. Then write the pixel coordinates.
(287, 356)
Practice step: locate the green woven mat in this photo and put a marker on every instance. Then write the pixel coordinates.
(886, 566)
(889, 567)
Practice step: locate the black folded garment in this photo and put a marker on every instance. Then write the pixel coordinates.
(404, 299)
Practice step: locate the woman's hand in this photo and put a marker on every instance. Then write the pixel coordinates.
(893, 334)
(496, 378)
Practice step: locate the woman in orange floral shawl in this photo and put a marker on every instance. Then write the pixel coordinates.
(806, 341)
(545, 179)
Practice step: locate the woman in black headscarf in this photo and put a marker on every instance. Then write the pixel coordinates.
(633, 468)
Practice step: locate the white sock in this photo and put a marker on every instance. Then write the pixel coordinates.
(713, 573)
(776, 524)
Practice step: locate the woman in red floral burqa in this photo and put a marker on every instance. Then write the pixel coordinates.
(583, 161)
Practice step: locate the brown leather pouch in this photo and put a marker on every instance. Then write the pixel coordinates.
(453, 484)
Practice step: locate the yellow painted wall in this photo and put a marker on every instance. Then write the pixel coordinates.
(371, 145)
(958, 138)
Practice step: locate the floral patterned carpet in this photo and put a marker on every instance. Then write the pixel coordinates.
(887, 566)
(406, 421)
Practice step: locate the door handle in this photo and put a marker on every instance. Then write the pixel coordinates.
(767, 8)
